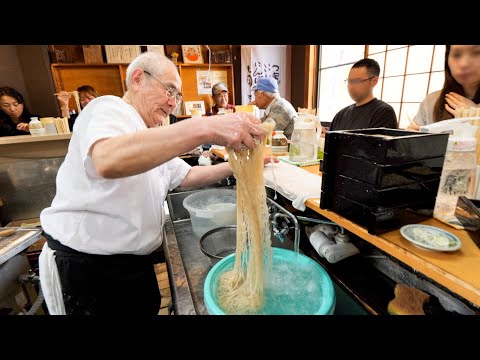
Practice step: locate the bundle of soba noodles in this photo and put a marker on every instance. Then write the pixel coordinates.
(241, 290)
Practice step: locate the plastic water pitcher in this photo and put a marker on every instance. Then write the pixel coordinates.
(303, 143)
(458, 173)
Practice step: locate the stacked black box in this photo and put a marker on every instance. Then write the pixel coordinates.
(376, 177)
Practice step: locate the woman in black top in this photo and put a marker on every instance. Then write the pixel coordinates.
(14, 115)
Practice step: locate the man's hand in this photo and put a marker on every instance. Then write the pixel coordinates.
(235, 130)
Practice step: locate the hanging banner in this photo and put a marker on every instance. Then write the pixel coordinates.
(262, 61)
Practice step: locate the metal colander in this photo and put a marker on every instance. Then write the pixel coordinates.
(219, 243)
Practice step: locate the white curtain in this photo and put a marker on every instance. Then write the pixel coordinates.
(263, 61)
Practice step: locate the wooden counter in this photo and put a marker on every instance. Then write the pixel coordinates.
(458, 271)
(28, 147)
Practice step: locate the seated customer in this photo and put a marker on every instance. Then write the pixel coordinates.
(368, 111)
(220, 98)
(279, 109)
(86, 93)
(460, 89)
(14, 115)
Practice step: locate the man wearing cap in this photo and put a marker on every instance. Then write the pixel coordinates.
(220, 97)
(267, 97)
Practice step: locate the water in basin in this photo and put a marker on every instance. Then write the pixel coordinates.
(297, 285)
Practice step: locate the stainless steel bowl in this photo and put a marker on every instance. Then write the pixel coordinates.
(219, 243)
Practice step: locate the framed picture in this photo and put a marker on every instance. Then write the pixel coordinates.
(194, 105)
(156, 48)
(121, 54)
(192, 54)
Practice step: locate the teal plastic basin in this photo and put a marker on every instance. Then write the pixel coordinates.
(297, 286)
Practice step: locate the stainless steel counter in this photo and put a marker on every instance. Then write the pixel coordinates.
(188, 269)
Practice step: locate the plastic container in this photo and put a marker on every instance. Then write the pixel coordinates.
(313, 287)
(36, 127)
(49, 125)
(303, 143)
(320, 148)
(211, 208)
(458, 177)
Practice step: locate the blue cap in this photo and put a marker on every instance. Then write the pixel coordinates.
(266, 84)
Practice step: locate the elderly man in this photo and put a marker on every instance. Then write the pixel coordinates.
(368, 111)
(220, 97)
(107, 215)
(267, 97)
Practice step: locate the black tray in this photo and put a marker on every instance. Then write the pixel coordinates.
(378, 223)
(383, 176)
(381, 200)
(386, 146)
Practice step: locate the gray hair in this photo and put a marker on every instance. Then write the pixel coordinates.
(153, 62)
(274, 95)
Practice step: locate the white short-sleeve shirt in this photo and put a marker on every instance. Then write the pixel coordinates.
(96, 215)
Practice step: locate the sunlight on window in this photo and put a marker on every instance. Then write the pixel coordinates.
(404, 80)
(373, 49)
(380, 58)
(334, 93)
(419, 59)
(396, 61)
(333, 55)
(392, 89)
(439, 58)
(415, 88)
(391, 47)
(436, 81)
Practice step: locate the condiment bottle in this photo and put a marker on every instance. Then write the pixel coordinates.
(36, 127)
(279, 143)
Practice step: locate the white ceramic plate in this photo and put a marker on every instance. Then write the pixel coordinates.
(430, 237)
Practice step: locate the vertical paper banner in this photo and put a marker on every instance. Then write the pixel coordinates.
(262, 61)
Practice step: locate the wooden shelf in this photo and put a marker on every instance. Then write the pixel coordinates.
(188, 73)
(109, 79)
(203, 65)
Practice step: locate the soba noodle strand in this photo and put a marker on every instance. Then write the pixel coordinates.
(241, 290)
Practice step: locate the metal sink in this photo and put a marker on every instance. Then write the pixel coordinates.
(188, 266)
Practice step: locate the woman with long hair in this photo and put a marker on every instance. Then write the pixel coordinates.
(460, 89)
(14, 114)
(86, 93)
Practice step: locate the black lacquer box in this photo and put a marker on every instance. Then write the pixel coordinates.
(379, 177)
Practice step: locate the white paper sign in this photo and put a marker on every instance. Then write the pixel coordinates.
(262, 61)
(206, 80)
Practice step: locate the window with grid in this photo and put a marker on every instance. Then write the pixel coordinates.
(407, 74)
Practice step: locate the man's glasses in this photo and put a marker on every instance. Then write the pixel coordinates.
(170, 91)
(357, 81)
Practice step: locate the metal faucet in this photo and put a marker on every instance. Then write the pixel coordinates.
(285, 214)
(280, 234)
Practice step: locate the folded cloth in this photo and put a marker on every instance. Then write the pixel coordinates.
(286, 158)
(293, 182)
(50, 281)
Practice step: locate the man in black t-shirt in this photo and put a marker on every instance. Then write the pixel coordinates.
(368, 111)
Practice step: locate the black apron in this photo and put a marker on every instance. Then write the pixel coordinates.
(123, 284)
